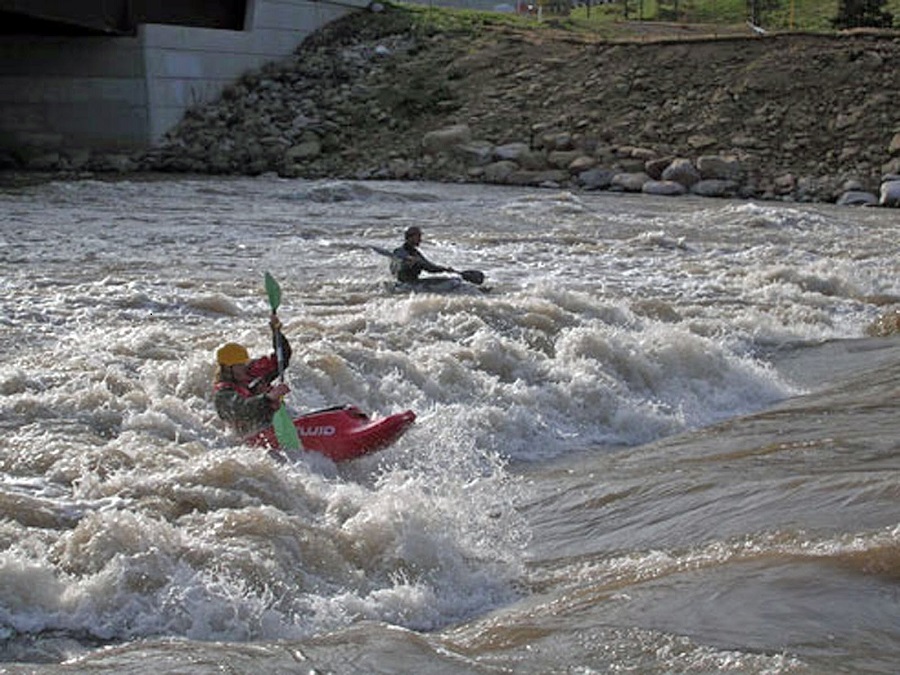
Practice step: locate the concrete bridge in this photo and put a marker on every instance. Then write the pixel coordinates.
(115, 75)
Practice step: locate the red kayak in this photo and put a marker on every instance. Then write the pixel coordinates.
(342, 433)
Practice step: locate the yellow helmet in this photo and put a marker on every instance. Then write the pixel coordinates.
(232, 354)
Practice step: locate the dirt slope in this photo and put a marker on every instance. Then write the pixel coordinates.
(822, 108)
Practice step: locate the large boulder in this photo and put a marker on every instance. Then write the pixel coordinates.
(561, 159)
(894, 147)
(655, 166)
(715, 187)
(581, 164)
(666, 188)
(597, 178)
(533, 160)
(857, 198)
(681, 170)
(510, 151)
(725, 167)
(629, 181)
(478, 153)
(499, 172)
(890, 193)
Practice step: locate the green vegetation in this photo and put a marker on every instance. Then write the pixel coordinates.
(800, 15)
(431, 20)
(855, 13)
(623, 18)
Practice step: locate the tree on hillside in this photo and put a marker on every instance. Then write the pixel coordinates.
(862, 13)
(627, 6)
(668, 10)
(757, 9)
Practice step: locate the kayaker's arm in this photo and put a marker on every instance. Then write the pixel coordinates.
(277, 336)
(285, 350)
(429, 266)
(264, 370)
(408, 264)
(275, 323)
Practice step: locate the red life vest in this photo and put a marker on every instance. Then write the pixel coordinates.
(239, 388)
(259, 370)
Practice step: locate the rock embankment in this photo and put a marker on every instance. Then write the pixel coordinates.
(806, 118)
(793, 117)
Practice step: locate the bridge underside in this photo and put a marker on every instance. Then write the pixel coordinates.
(115, 17)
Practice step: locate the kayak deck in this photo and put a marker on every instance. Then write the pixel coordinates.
(436, 285)
(430, 285)
(342, 432)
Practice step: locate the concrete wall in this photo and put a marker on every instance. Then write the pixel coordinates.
(123, 93)
(189, 65)
(54, 89)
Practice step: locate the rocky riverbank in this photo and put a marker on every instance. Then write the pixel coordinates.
(792, 117)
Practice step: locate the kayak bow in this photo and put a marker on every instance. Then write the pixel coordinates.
(341, 433)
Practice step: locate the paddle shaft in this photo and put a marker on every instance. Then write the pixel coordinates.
(273, 290)
(279, 351)
(285, 431)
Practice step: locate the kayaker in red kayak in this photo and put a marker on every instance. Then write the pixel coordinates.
(244, 394)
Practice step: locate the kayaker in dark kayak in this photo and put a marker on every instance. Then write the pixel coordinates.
(408, 263)
(244, 394)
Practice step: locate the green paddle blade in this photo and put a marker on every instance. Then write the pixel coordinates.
(285, 431)
(274, 292)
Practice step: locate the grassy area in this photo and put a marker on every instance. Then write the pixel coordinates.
(609, 20)
(430, 20)
(802, 15)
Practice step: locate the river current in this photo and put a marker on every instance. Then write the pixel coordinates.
(662, 442)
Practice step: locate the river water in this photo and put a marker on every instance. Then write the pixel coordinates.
(661, 443)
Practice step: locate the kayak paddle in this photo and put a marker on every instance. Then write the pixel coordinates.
(285, 431)
(472, 276)
(273, 290)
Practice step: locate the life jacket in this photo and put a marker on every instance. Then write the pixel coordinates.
(244, 419)
(259, 370)
(405, 265)
(243, 391)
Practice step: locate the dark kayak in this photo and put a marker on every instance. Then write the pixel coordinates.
(429, 285)
(436, 285)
